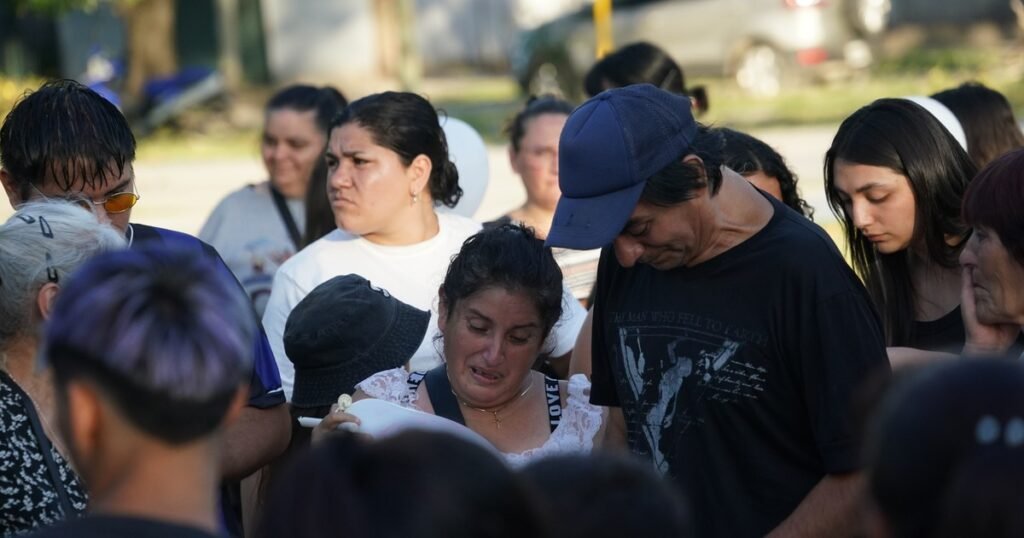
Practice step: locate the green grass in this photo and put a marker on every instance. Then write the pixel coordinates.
(167, 145)
(922, 71)
(832, 102)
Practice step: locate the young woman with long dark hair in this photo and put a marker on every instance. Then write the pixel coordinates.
(895, 178)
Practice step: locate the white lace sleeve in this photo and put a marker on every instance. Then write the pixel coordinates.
(390, 386)
(575, 432)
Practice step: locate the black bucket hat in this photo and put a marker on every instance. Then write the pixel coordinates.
(344, 331)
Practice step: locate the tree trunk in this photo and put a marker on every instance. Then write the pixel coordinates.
(410, 70)
(388, 29)
(151, 49)
(229, 54)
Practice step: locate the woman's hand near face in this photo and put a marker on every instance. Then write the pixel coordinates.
(982, 338)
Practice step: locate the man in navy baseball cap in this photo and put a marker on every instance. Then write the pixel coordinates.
(728, 331)
(608, 150)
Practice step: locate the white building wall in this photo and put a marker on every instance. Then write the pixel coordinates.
(332, 40)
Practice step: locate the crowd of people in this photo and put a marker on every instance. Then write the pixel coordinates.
(658, 342)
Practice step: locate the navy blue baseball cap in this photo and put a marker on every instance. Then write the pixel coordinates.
(610, 146)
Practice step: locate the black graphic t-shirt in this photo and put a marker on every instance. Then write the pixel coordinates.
(735, 376)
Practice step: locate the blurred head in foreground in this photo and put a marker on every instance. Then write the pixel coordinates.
(945, 452)
(413, 484)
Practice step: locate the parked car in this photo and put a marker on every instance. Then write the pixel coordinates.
(763, 44)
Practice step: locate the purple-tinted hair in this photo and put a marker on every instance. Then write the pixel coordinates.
(995, 200)
(163, 331)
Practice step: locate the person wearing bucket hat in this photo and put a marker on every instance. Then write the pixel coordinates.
(728, 331)
(344, 331)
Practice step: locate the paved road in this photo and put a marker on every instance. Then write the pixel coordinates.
(179, 195)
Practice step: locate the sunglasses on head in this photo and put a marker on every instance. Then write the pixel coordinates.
(115, 203)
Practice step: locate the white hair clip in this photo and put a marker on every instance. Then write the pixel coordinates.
(989, 431)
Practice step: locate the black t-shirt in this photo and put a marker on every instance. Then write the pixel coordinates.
(945, 334)
(114, 527)
(735, 376)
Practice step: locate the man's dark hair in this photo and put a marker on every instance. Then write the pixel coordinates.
(415, 483)
(677, 182)
(64, 132)
(943, 451)
(745, 155)
(586, 495)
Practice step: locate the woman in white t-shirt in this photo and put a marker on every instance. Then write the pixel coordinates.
(256, 228)
(388, 170)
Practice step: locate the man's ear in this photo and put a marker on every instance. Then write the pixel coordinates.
(82, 420)
(695, 162)
(45, 299)
(13, 196)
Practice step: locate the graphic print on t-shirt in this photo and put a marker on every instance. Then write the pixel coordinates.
(671, 372)
(255, 269)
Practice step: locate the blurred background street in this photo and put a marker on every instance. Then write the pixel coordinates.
(787, 71)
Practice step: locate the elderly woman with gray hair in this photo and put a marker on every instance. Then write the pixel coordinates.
(42, 244)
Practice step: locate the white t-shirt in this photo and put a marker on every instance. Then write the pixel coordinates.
(411, 273)
(251, 237)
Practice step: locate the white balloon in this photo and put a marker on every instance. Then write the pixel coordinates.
(467, 150)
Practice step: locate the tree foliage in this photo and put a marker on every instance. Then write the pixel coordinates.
(56, 7)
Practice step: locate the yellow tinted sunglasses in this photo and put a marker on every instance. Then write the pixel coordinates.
(115, 203)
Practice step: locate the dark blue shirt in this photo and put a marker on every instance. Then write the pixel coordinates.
(265, 383)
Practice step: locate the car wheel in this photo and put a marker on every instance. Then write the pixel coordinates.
(760, 70)
(868, 17)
